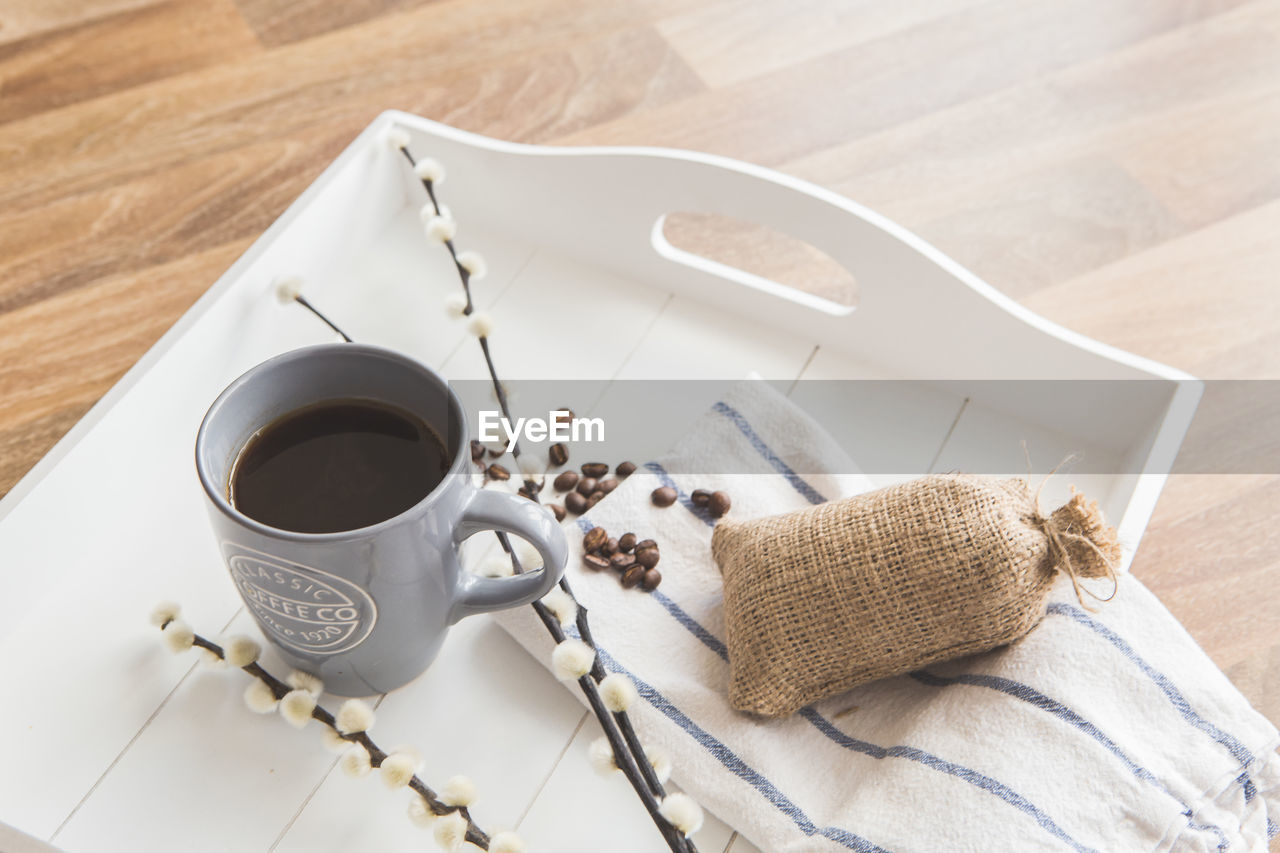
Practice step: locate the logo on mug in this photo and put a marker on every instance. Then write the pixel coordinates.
(302, 607)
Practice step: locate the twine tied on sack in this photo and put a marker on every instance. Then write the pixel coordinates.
(1081, 543)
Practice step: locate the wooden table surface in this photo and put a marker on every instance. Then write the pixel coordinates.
(1112, 165)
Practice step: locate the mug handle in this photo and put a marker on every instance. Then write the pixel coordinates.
(487, 510)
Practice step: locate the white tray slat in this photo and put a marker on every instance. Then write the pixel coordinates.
(201, 774)
(483, 710)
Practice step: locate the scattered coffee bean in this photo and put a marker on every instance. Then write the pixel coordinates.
(586, 486)
(557, 510)
(646, 543)
(632, 576)
(621, 561)
(625, 469)
(595, 538)
(595, 470)
(700, 497)
(648, 557)
(627, 542)
(595, 498)
(565, 481)
(564, 415)
(651, 579)
(477, 450)
(663, 496)
(497, 450)
(611, 547)
(719, 503)
(497, 472)
(525, 492)
(595, 561)
(607, 485)
(575, 503)
(558, 454)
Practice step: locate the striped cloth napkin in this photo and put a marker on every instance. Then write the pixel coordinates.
(1107, 731)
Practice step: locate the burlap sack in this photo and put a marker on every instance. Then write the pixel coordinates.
(823, 599)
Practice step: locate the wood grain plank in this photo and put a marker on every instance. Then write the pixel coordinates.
(412, 63)
(278, 22)
(1195, 302)
(1222, 560)
(21, 19)
(92, 59)
(46, 384)
(150, 214)
(1035, 184)
(727, 42)
(158, 217)
(812, 105)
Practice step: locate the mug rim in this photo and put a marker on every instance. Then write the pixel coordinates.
(218, 496)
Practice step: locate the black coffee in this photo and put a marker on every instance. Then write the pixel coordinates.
(337, 465)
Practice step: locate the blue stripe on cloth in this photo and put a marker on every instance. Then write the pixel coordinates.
(1179, 702)
(1250, 791)
(973, 777)
(1029, 694)
(733, 763)
(809, 492)
(1273, 828)
(692, 625)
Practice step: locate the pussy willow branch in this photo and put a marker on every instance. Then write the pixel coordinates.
(628, 752)
(278, 689)
(302, 300)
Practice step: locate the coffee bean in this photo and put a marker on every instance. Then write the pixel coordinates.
(595, 562)
(594, 469)
(700, 497)
(563, 415)
(663, 496)
(646, 543)
(557, 510)
(719, 503)
(621, 561)
(607, 485)
(632, 576)
(595, 498)
(627, 542)
(524, 492)
(611, 547)
(497, 450)
(595, 538)
(575, 503)
(651, 579)
(497, 472)
(477, 450)
(586, 486)
(625, 469)
(648, 557)
(565, 481)
(558, 454)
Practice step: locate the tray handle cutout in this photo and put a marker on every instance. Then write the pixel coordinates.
(756, 255)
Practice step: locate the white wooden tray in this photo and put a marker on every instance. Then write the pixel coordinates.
(113, 744)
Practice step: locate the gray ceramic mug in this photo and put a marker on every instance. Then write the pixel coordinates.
(365, 609)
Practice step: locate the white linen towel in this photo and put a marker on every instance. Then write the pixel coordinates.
(1107, 731)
